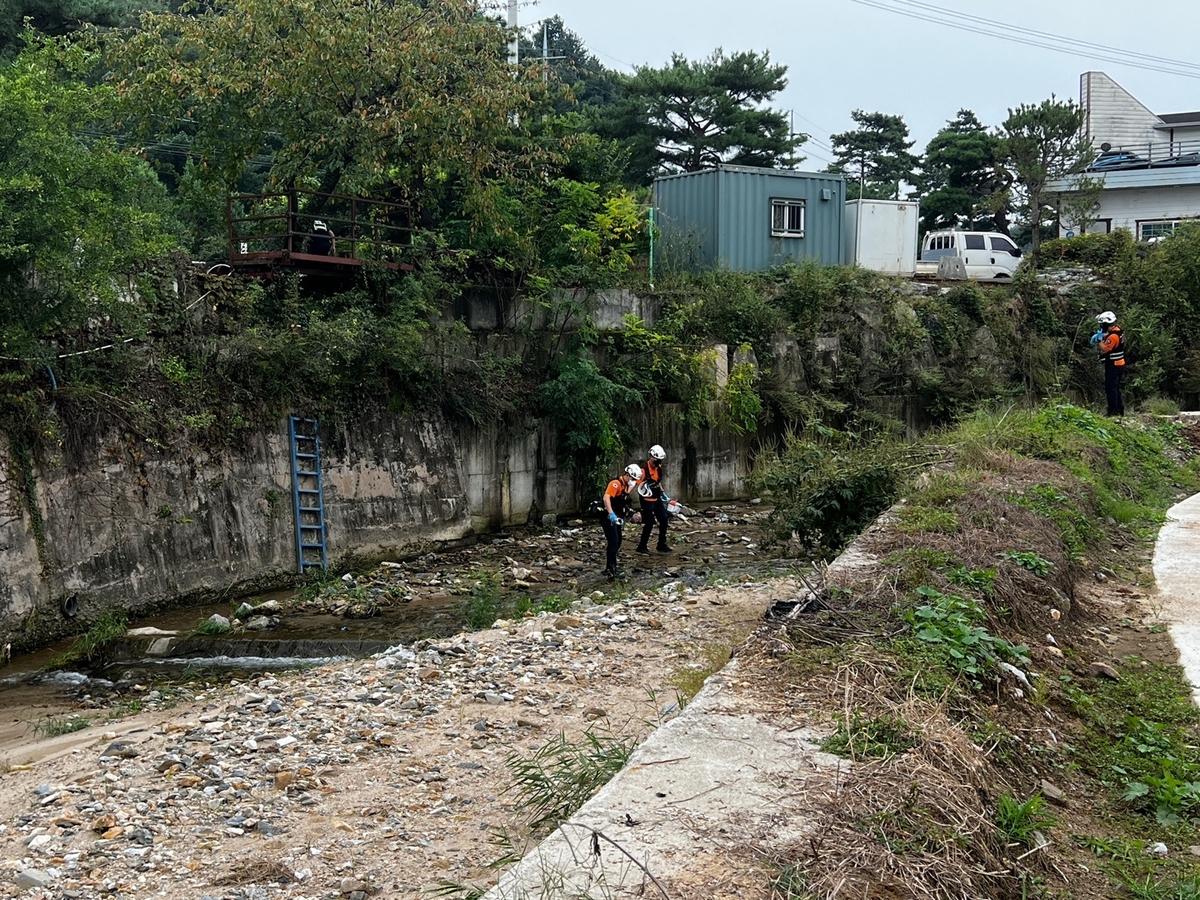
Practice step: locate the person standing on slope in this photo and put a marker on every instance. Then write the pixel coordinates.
(1111, 344)
(654, 501)
(612, 516)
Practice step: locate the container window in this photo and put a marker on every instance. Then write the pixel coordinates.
(975, 242)
(787, 218)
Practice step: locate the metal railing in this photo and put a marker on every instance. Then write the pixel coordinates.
(1153, 154)
(281, 225)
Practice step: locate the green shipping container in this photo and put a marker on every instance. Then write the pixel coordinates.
(749, 219)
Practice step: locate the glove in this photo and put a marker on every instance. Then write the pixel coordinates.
(1095, 338)
(612, 517)
(665, 498)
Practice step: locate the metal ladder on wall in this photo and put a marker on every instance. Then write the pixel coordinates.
(308, 500)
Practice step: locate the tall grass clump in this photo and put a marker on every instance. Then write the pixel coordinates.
(94, 646)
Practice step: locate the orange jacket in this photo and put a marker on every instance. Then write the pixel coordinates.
(1112, 346)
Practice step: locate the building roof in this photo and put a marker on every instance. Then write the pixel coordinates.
(1175, 120)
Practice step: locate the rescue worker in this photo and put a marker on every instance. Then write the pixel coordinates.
(612, 516)
(1110, 342)
(654, 501)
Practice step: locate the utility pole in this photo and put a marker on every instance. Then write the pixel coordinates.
(546, 57)
(514, 41)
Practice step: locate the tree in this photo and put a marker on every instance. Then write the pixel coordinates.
(77, 215)
(587, 81)
(874, 157)
(689, 116)
(403, 99)
(59, 17)
(960, 180)
(1041, 144)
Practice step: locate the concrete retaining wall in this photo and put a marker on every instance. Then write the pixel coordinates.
(126, 525)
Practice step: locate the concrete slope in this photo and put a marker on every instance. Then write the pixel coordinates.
(721, 774)
(1177, 572)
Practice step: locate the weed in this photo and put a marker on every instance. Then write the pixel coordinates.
(555, 603)
(1018, 820)
(562, 775)
(1028, 560)
(484, 605)
(94, 646)
(54, 726)
(981, 580)
(864, 737)
(950, 624)
(1172, 797)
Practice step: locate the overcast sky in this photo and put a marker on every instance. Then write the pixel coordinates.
(843, 55)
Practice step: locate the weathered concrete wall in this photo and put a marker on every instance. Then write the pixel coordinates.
(138, 528)
(128, 526)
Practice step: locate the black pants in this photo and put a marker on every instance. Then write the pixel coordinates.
(612, 534)
(654, 511)
(1112, 389)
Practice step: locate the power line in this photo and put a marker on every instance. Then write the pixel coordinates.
(940, 16)
(1088, 45)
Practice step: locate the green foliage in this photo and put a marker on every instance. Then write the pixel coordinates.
(327, 96)
(1140, 737)
(826, 488)
(1029, 560)
(875, 155)
(877, 737)
(563, 774)
(953, 627)
(60, 17)
(741, 403)
(486, 604)
(981, 580)
(586, 408)
(689, 115)
(77, 216)
(95, 645)
(1018, 820)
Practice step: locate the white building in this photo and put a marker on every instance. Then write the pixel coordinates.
(1149, 163)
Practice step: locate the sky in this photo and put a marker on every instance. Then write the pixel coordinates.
(844, 55)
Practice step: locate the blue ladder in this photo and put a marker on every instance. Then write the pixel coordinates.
(307, 498)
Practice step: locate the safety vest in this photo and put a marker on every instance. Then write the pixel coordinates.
(1112, 347)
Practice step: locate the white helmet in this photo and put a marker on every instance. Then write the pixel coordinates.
(634, 471)
(1106, 318)
(657, 452)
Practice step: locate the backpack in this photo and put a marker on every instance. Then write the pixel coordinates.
(1128, 349)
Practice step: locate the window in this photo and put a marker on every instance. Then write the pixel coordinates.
(1149, 231)
(1003, 245)
(787, 218)
(975, 242)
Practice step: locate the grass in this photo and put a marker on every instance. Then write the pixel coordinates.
(863, 737)
(55, 726)
(1019, 820)
(485, 604)
(562, 775)
(688, 680)
(94, 646)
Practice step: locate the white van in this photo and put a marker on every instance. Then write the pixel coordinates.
(985, 255)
